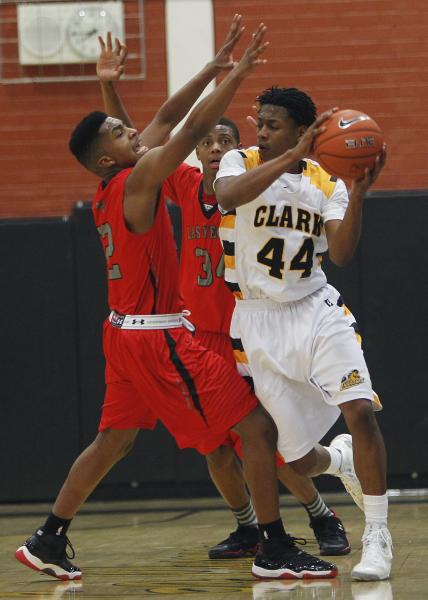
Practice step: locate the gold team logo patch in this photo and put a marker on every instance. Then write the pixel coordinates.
(351, 379)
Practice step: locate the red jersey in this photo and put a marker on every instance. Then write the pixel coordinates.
(201, 260)
(142, 268)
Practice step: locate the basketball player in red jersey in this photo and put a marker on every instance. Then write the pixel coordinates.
(211, 305)
(152, 360)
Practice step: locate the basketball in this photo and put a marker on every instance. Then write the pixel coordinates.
(350, 143)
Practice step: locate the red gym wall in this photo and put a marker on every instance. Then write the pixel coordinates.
(371, 55)
(39, 176)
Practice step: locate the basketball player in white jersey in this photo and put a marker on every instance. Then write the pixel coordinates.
(290, 328)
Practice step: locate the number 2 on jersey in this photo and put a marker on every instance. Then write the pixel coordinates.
(272, 255)
(105, 231)
(207, 267)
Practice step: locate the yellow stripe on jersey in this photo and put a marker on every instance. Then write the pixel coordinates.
(240, 356)
(229, 262)
(377, 402)
(228, 221)
(251, 158)
(353, 325)
(234, 288)
(319, 178)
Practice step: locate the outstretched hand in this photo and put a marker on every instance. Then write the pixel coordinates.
(360, 186)
(111, 62)
(254, 50)
(224, 58)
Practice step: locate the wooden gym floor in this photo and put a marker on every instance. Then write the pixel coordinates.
(158, 549)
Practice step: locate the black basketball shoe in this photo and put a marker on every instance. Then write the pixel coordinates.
(282, 559)
(240, 543)
(331, 536)
(48, 553)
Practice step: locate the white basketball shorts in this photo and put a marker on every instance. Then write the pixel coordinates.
(305, 359)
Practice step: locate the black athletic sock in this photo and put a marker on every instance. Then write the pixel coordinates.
(272, 531)
(54, 525)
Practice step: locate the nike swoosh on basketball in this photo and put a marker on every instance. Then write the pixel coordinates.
(345, 123)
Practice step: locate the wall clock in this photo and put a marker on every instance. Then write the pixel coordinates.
(86, 25)
(66, 32)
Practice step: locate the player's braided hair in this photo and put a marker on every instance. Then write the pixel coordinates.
(82, 139)
(232, 126)
(299, 105)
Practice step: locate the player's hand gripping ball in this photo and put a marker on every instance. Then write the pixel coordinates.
(349, 145)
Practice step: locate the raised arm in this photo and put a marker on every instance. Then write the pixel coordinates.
(241, 189)
(343, 236)
(147, 176)
(110, 67)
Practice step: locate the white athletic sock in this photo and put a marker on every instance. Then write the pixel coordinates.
(335, 461)
(376, 511)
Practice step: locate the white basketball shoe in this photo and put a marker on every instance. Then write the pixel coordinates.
(343, 443)
(376, 559)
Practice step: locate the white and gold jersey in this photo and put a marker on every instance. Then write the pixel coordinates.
(273, 245)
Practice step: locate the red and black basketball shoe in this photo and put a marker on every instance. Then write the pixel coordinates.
(47, 553)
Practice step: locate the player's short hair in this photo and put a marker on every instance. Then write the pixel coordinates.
(84, 137)
(232, 126)
(299, 105)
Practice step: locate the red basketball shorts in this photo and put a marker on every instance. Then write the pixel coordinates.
(217, 342)
(166, 374)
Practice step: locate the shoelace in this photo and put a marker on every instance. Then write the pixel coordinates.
(301, 554)
(290, 543)
(377, 539)
(69, 545)
(296, 540)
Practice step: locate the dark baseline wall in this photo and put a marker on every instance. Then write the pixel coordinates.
(395, 293)
(39, 392)
(53, 305)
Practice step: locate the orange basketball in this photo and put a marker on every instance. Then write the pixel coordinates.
(350, 143)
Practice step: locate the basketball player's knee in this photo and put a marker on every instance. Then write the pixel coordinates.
(221, 458)
(115, 443)
(258, 424)
(127, 447)
(359, 414)
(304, 465)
